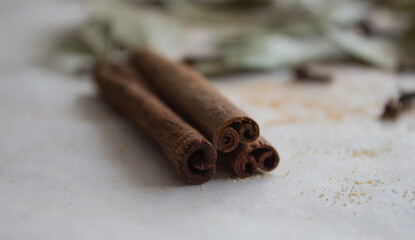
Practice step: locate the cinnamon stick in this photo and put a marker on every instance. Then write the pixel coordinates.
(197, 100)
(193, 156)
(246, 158)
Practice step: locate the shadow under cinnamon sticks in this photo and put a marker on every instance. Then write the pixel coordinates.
(125, 146)
(192, 155)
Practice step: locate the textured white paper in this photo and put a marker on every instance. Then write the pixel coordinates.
(72, 168)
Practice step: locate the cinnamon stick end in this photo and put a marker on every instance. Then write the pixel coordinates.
(267, 158)
(248, 131)
(234, 131)
(245, 167)
(226, 140)
(198, 162)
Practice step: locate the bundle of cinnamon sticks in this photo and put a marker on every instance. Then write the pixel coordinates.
(193, 123)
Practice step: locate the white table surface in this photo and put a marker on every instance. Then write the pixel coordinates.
(72, 168)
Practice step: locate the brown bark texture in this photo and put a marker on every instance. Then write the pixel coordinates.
(193, 156)
(197, 100)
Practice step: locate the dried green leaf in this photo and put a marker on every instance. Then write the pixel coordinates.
(374, 51)
(275, 51)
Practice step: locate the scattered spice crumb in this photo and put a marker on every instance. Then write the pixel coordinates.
(365, 152)
(307, 74)
(288, 173)
(395, 106)
(302, 193)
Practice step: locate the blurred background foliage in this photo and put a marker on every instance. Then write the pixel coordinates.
(229, 36)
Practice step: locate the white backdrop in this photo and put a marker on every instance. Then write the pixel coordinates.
(72, 168)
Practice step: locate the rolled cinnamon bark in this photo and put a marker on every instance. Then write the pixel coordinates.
(193, 156)
(197, 100)
(246, 158)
